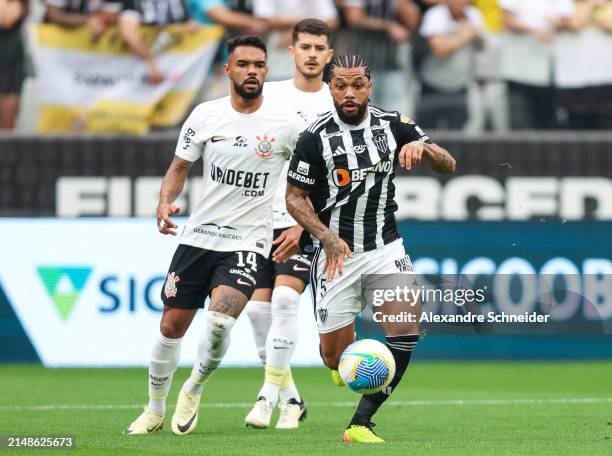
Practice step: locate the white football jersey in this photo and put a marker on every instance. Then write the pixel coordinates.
(308, 106)
(243, 156)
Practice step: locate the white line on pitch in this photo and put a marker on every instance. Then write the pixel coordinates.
(457, 402)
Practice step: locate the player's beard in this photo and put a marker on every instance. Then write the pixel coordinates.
(351, 119)
(244, 93)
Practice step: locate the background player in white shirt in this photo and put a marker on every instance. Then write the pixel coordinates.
(273, 309)
(244, 141)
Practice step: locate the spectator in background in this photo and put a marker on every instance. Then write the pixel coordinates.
(454, 32)
(12, 15)
(379, 29)
(151, 12)
(489, 99)
(96, 15)
(583, 66)
(281, 16)
(220, 12)
(424, 5)
(527, 63)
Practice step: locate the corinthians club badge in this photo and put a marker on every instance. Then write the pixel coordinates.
(264, 146)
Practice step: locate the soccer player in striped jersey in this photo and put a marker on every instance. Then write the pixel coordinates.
(345, 163)
(273, 308)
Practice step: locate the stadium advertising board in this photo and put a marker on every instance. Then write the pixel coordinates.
(496, 179)
(86, 292)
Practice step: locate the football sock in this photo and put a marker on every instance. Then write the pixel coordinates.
(401, 347)
(271, 386)
(214, 342)
(260, 315)
(163, 363)
(287, 388)
(281, 340)
(284, 331)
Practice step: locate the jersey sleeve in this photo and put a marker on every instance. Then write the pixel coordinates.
(190, 146)
(406, 131)
(307, 163)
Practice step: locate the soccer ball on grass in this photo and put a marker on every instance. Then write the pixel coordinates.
(366, 366)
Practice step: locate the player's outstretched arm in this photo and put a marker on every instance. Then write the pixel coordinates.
(435, 156)
(171, 188)
(335, 248)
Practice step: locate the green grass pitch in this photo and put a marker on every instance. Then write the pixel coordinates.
(439, 409)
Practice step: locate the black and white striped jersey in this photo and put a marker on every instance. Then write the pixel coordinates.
(349, 171)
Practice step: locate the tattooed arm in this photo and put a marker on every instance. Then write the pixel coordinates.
(435, 156)
(171, 188)
(439, 159)
(335, 248)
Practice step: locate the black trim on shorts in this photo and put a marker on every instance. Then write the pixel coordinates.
(313, 280)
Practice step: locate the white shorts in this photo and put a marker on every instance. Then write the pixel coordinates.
(337, 303)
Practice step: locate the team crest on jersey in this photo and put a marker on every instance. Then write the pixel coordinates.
(322, 316)
(381, 142)
(264, 146)
(170, 286)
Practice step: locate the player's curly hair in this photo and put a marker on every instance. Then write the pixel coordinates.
(349, 61)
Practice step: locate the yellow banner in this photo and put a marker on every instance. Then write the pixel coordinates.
(100, 86)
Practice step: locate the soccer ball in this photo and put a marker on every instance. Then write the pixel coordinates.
(366, 366)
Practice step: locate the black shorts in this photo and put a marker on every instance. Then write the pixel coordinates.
(194, 272)
(296, 266)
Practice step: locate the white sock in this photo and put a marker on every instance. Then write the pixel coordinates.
(281, 340)
(260, 315)
(163, 363)
(211, 349)
(290, 392)
(288, 389)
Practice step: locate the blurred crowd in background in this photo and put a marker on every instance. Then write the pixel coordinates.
(475, 65)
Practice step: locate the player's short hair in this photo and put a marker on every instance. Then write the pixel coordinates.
(349, 61)
(311, 26)
(246, 40)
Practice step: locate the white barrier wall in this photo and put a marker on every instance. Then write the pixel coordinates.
(87, 292)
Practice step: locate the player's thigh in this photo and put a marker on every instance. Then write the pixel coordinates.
(334, 343)
(399, 313)
(337, 303)
(295, 283)
(262, 295)
(227, 300)
(234, 280)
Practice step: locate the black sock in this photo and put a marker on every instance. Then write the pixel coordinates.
(401, 347)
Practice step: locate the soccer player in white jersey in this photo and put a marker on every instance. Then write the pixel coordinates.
(345, 164)
(273, 309)
(244, 141)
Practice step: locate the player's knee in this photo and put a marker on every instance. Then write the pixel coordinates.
(219, 323)
(172, 328)
(285, 302)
